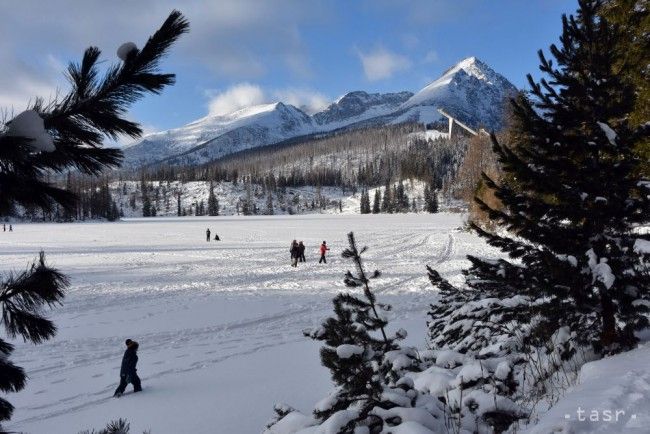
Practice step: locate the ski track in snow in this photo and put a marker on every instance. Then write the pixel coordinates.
(195, 307)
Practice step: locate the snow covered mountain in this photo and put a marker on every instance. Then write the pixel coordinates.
(359, 106)
(215, 136)
(471, 91)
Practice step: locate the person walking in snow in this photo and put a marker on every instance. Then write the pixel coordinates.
(301, 252)
(295, 253)
(128, 371)
(4, 228)
(11, 228)
(323, 252)
(207, 234)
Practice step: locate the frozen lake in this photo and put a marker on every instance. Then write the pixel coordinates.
(219, 323)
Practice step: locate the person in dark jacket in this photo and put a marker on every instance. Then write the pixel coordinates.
(295, 253)
(301, 252)
(207, 234)
(128, 371)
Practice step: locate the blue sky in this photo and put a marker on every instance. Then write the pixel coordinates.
(305, 52)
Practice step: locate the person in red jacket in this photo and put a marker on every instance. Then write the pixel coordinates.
(323, 251)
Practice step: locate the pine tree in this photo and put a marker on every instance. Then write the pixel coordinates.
(376, 204)
(365, 202)
(213, 203)
(180, 211)
(269, 204)
(387, 201)
(356, 342)
(114, 212)
(430, 199)
(146, 206)
(573, 197)
(367, 365)
(67, 132)
(399, 197)
(631, 20)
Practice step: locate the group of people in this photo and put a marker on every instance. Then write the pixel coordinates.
(297, 251)
(207, 235)
(4, 228)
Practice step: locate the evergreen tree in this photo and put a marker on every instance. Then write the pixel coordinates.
(387, 201)
(146, 206)
(269, 204)
(573, 197)
(430, 199)
(376, 204)
(631, 20)
(373, 393)
(399, 197)
(179, 207)
(114, 213)
(67, 132)
(356, 343)
(365, 202)
(213, 203)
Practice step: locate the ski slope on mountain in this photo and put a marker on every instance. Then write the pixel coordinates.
(219, 324)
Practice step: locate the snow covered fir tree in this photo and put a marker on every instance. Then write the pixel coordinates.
(575, 285)
(67, 134)
(367, 365)
(574, 192)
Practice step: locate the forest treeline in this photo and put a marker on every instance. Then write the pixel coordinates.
(355, 161)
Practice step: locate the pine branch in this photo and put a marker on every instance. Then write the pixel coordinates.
(22, 297)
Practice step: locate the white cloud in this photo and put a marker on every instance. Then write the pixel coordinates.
(235, 98)
(232, 38)
(431, 56)
(307, 100)
(243, 95)
(124, 140)
(380, 63)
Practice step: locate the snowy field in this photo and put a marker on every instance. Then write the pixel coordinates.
(219, 324)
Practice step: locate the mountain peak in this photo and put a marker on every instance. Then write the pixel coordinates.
(469, 90)
(471, 66)
(359, 104)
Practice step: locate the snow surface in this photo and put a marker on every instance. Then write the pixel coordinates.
(220, 323)
(619, 383)
(609, 132)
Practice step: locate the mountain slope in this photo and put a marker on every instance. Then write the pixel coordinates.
(215, 136)
(359, 106)
(471, 91)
